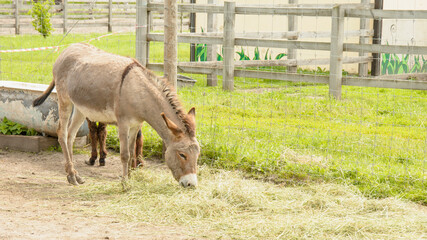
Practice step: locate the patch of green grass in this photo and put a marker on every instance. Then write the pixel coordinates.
(288, 132)
(36, 66)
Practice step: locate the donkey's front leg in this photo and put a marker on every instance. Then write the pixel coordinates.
(132, 145)
(124, 149)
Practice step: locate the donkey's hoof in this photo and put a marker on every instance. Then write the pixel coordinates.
(91, 161)
(72, 180)
(102, 162)
(79, 179)
(140, 164)
(125, 184)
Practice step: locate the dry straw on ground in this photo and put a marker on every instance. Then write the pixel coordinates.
(228, 206)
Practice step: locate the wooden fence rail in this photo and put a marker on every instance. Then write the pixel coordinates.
(229, 39)
(87, 14)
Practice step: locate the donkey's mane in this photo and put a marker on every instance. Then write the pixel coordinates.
(167, 91)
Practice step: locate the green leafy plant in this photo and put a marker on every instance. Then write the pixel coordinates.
(8, 127)
(242, 55)
(41, 16)
(257, 55)
(280, 56)
(392, 64)
(201, 52)
(220, 57)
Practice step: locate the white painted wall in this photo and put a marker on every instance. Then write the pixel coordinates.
(407, 31)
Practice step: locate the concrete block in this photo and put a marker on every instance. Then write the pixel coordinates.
(34, 143)
(27, 143)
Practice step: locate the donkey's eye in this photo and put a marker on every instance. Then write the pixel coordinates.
(183, 156)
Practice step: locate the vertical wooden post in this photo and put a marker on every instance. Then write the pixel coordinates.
(110, 15)
(192, 30)
(228, 46)
(150, 21)
(64, 16)
(141, 43)
(181, 19)
(171, 40)
(364, 23)
(17, 7)
(292, 26)
(378, 28)
(211, 49)
(0, 65)
(336, 59)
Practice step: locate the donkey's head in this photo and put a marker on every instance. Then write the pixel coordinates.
(183, 151)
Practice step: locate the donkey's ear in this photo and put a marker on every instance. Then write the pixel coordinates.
(191, 127)
(192, 113)
(172, 126)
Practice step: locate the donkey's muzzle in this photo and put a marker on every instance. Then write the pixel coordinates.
(189, 180)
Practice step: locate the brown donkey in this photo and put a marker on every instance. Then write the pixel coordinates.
(98, 135)
(112, 89)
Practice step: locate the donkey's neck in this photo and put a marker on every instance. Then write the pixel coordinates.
(160, 104)
(158, 124)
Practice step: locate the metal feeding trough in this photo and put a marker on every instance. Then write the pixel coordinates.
(184, 81)
(16, 104)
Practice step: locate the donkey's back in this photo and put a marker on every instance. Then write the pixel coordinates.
(90, 79)
(83, 56)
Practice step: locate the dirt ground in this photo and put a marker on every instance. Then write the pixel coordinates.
(36, 202)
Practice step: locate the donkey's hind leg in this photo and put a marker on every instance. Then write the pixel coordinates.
(76, 121)
(138, 160)
(65, 109)
(93, 135)
(102, 137)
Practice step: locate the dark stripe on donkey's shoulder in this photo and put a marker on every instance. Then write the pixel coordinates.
(126, 72)
(128, 68)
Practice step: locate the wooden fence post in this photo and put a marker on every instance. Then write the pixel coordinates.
(17, 7)
(376, 39)
(170, 41)
(228, 46)
(364, 23)
(64, 16)
(292, 26)
(110, 15)
(192, 30)
(0, 65)
(336, 59)
(212, 79)
(141, 43)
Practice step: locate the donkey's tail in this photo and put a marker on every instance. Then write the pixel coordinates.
(46, 94)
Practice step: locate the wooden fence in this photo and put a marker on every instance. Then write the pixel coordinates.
(83, 14)
(228, 39)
